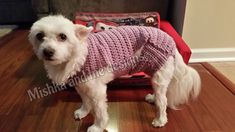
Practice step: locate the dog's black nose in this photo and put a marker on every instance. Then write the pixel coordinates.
(48, 53)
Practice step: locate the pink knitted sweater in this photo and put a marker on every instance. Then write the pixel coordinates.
(116, 49)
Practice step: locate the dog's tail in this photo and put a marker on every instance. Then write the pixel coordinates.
(185, 83)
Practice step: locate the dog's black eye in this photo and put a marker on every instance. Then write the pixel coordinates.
(40, 36)
(62, 37)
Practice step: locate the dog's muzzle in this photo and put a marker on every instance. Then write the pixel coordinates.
(48, 53)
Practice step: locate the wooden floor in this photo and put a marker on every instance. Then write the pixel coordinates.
(226, 68)
(20, 71)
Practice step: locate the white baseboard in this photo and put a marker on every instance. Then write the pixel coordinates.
(212, 55)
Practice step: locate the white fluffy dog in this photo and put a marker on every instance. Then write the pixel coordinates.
(63, 48)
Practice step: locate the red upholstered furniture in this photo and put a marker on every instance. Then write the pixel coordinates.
(180, 43)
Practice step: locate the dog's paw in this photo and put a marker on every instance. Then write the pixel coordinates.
(80, 113)
(159, 122)
(94, 128)
(150, 98)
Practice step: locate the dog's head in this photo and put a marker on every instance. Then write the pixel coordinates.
(55, 38)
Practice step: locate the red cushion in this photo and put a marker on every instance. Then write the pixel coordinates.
(180, 43)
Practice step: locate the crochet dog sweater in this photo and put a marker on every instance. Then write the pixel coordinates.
(127, 50)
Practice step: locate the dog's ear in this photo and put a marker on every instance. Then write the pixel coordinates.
(82, 32)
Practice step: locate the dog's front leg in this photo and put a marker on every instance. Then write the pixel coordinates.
(85, 108)
(97, 94)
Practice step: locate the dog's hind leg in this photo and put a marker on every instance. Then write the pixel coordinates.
(160, 82)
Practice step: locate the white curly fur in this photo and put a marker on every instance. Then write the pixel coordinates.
(173, 84)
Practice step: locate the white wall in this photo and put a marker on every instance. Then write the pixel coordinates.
(210, 24)
(209, 30)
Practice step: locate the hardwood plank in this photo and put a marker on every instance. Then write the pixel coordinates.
(226, 68)
(218, 101)
(221, 77)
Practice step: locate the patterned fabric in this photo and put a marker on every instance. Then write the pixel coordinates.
(105, 21)
(116, 48)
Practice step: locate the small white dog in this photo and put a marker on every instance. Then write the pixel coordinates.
(68, 50)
